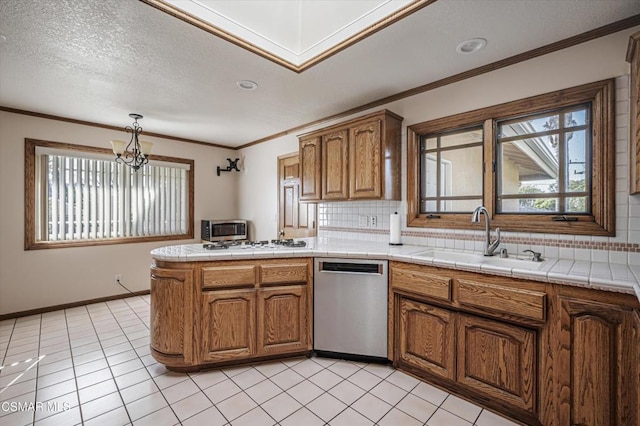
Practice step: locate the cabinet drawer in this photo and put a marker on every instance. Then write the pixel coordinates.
(512, 301)
(421, 283)
(284, 273)
(228, 276)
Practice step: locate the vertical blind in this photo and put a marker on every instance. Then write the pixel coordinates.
(90, 198)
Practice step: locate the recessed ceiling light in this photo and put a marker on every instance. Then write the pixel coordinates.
(470, 46)
(247, 85)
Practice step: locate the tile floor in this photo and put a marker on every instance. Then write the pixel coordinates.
(91, 365)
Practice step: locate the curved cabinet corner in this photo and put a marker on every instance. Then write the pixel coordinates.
(171, 324)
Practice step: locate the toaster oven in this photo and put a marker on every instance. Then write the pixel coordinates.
(223, 230)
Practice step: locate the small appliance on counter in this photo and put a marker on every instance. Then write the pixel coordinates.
(223, 230)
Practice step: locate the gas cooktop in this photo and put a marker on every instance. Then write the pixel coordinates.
(273, 244)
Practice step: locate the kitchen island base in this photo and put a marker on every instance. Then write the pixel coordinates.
(207, 314)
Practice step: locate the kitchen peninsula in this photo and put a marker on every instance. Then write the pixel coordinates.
(538, 342)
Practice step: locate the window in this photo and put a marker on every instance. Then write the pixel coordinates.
(450, 163)
(78, 196)
(541, 164)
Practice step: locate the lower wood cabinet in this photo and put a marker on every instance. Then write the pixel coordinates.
(498, 360)
(541, 354)
(171, 325)
(283, 320)
(228, 325)
(599, 355)
(426, 338)
(492, 358)
(207, 313)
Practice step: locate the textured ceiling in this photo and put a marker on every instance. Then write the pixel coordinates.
(97, 60)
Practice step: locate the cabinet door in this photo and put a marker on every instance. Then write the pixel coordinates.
(171, 324)
(283, 320)
(427, 338)
(310, 166)
(498, 360)
(364, 160)
(335, 162)
(599, 364)
(228, 324)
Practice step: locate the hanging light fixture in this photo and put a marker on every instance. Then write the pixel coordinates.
(134, 156)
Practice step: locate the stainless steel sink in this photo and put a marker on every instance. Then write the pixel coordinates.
(476, 258)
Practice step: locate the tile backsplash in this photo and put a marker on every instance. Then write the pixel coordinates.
(352, 219)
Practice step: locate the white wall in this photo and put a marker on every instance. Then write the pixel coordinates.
(40, 278)
(596, 60)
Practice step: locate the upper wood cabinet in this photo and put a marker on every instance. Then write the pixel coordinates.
(633, 57)
(310, 167)
(364, 152)
(357, 159)
(335, 166)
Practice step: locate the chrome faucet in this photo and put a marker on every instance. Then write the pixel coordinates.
(490, 246)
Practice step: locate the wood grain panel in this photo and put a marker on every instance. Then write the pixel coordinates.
(591, 371)
(310, 168)
(364, 161)
(282, 320)
(512, 301)
(600, 384)
(228, 276)
(335, 165)
(498, 359)
(167, 312)
(426, 338)
(293, 272)
(410, 278)
(228, 324)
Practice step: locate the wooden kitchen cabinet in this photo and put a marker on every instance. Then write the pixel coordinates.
(426, 338)
(541, 354)
(207, 313)
(228, 325)
(310, 152)
(335, 166)
(171, 300)
(497, 360)
(598, 358)
(283, 320)
(364, 158)
(360, 159)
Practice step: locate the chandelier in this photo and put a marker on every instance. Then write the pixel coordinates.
(136, 153)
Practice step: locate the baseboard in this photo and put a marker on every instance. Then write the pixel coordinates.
(71, 305)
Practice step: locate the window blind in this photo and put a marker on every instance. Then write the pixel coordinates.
(92, 198)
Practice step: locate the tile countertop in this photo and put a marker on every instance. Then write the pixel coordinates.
(599, 275)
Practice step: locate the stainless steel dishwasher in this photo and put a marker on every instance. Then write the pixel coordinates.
(350, 308)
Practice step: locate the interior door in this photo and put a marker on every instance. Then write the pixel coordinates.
(295, 219)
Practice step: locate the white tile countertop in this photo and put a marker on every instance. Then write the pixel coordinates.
(599, 275)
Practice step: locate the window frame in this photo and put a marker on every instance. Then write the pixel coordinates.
(600, 222)
(31, 207)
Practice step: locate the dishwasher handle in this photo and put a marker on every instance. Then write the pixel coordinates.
(351, 267)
